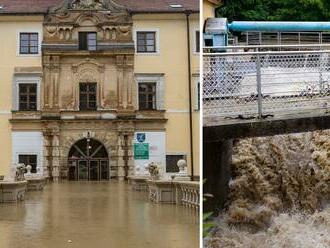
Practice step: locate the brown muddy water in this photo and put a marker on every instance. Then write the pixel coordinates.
(95, 215)
(279, 194)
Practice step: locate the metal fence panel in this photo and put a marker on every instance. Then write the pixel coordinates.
(289, 82)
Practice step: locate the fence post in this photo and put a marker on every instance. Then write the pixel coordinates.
(259, 86)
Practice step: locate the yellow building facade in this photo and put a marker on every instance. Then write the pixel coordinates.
(93, 90)
(209, 7)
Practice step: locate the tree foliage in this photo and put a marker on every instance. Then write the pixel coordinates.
(275, 10)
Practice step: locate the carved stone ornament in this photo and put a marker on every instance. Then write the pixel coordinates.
(88, 4)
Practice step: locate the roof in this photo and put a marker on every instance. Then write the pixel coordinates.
(135, 6)
(216, 2)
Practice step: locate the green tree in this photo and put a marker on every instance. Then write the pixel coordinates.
(275, 10)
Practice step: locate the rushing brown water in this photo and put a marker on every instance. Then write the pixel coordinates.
(93, 215)
(280, 194)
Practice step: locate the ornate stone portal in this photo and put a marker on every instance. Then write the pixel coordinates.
(110, 66)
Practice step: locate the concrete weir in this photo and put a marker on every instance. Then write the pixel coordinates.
(12, 191)
(216, 170)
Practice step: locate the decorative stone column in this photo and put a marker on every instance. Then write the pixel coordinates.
(51, 65)
(130, 154)
(56, 155)
(51, 151)
(55, 80)
(47, 153)
(120, 80)
(129, 72)
(46, 81)
(120, 156)
(125, 150)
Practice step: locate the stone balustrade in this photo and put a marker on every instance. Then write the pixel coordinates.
(35, 183)
(161, 191)
(11, 192)
(185, 193)
(138, 183)
(188, 194)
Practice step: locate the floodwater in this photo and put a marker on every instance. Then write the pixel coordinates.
(94, 215)
(279, 194)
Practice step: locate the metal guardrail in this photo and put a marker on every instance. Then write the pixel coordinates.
(259, 48)
(260, 84)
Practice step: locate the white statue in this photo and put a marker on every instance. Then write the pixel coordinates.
(28, 168)
(182, 164)
(182, 175)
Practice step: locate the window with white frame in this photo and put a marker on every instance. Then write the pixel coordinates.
(197, 41)
(147, 96)
(27, 97)
(147, 41)
(198, 96)
(28, 43)
(26, 93)
(150, 93)
(197, 100)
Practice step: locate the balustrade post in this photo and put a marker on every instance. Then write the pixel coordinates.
(258, 64)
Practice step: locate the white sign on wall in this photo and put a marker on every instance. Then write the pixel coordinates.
(149, 147)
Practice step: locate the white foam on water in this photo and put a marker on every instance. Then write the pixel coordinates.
(278, 194)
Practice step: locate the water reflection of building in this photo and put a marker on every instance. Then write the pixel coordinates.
(93, 89)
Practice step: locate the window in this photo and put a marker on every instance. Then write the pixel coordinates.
(197, 42)
(171, 163)
(147, 96)
(87, 98)
(87, 41)
(198, 96)
(29, 160)
(27, 97)
(146, 42)
(29, 43)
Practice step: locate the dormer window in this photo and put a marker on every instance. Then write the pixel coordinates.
(87, 41)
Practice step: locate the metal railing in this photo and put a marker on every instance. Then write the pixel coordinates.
(260, 48)
(279, 38)
(259, 84)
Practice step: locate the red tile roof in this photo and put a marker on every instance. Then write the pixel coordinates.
(135, 6)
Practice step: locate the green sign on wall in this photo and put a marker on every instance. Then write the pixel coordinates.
(141, 151)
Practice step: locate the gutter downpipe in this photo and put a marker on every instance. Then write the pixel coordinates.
(188, 13)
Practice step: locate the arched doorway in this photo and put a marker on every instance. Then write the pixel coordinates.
(88, 161)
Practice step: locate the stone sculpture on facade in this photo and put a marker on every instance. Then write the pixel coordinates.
(19, 173)
(154, 171)
(183, 174)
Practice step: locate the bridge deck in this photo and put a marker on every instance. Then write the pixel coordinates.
(215, 130)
